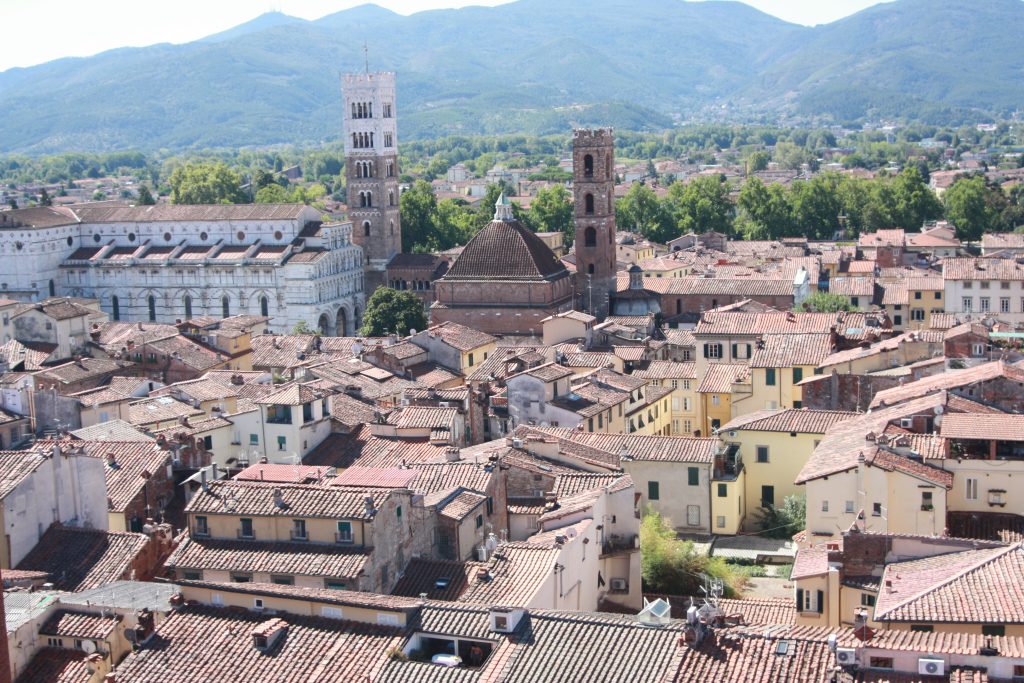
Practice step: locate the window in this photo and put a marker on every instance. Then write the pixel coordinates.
(917, 295)
(880, 663)
(299, 530)
(968, 284)
(307, 412)
(192, 576)
(693, 476)
(977, 349)
(241, 578)
(968, 304)
(479, 521)
(344, 532)
(202, 529)
(254, 439)
(921, 628)
(798, 375)
(471, 360)
(652, 490)
(283, 580)
(588, 166)
(938, 295)
(849, 507)
(115, 305)
(767, 496)
(824, 506)
(245, 528)
(152, 309)
(762, 454)
(279, 414)
(257, 603)
(985, 284)
(1004, 304)
(926, 501)
(590, 237)
(985, 306)
(720, 521)
(686, 405)
(867, 600)
(855, 301)
(335, 584)
(714, 399)
(876, 510)
(972, 488)
(769, 376)
(208, 443)
(712, 350)
(588, 201)
(55, 642)
(264, 306)
(723, 490)
(917, 314)
(225, 307)
(995, 630)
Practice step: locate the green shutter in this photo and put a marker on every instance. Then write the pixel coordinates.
(769, 376)
(799, 599)
(693, 476)
(734, 354)
(798, 375)
(652, 490)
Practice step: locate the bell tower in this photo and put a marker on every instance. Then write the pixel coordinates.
(593, 163)
(371, 170)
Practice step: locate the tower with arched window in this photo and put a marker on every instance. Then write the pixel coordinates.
(371, 169)
(593, 158)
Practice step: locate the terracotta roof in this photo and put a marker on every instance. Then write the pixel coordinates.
(1002, 240)
(461, 505)
(418, 417)
(512, 576)
(720, 377)
(439, 579)
(58, 309)
(285, 474)
(457, 336)
(895, 462)
(344, 450)
(234, 497)
(612, 446)
(57, 665)
(134, 463)
(15, 467)
(188, 352)
(79, 625)
(974, 586)
(853, 286)
(710, 286)
(988, 526)
(273, 557)
(1000, 427)
(81, 370)
(810, 561)
(196, 426)
(570, 484)
(351, 412)
(79, 559)
(982, 269)
(506, 250)
(951, 379)
(189, 213)
(214, 645)
(667, 369)
(770, 322)
(38, 217)
(160, 409)
(376, 477)
(788, 350)
(801, 420)
(111, 430)
(292, 395)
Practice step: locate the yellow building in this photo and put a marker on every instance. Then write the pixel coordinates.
(773, 446)
(681, 378)
(778, 364)
(715, 394)
(924, 299)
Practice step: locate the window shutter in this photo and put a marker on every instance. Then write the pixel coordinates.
(734, 347)
(799, 599)
(706, 351)
(821, 602)
(748, 351)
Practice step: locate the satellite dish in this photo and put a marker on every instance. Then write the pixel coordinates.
(129, 635)
(938, 410)
(88, 646)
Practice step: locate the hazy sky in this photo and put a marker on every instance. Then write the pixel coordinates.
(40, 30)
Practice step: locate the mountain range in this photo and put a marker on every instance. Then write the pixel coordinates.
(531, 66)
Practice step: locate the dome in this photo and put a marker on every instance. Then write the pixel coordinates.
(506, 250)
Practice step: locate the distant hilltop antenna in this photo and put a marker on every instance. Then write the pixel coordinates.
(366, 57)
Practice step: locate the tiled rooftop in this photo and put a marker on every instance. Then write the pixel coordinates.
(78, 559)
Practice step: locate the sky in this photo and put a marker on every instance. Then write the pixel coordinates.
(41, 30)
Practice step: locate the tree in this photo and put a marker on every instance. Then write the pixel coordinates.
(764, 211)
(970, 208)
(302, 327)
(272, 194)
(825, 302)
(391, 311)
(145, 196)
(44, 198)
(785, 520)
(700, 205)
(641, 211)
(551, 211)
(670, 565)
(206, 183)
(419, 218)
(758, 161)
(913, 201)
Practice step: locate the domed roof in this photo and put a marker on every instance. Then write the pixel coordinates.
(506, 250)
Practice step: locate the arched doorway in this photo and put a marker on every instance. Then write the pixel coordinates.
(342, 326)
(324, 324)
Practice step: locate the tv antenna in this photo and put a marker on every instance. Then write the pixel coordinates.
(366, 57)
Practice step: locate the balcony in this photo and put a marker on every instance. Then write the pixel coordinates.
(275, 419)
(619, 544)
(728, 463)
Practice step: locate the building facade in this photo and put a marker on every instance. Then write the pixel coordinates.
(371, 169)
(174, 262)
(593, 153)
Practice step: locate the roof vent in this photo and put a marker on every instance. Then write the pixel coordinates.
(368, 504)
(279, 499)
(505, 619)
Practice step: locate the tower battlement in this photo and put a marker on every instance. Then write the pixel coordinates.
(593, 137)
(385, 78)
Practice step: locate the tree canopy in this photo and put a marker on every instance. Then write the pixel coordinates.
(391, 311)
(206, 183)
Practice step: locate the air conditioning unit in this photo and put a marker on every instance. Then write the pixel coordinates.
(931, 667)
(619, 585)
(846, 656)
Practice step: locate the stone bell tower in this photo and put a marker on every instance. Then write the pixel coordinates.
(371, 170)
(593, 162)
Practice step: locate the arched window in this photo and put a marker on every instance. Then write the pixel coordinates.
(391, 169)
(152, 309)
(588, 166)
(391, 197)
(355, 112)
(590, 269)
(590, 237)
(115, 308)
(392, 227)
(225, 307)
(264, 307)
(369, 199)
(366, 228)
(53, 289)
(588, 202)
(188, 307)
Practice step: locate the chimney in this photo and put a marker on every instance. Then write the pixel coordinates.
(279, 499)
(451, 454)
(237, 380)
(140, 325)
(368, 504)
(112, 461)
(266, 635)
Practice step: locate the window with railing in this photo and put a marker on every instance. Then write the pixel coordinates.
(281, 415)
(299, 530)
(344, 533)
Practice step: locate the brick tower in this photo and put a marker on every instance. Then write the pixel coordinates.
(593, 162)
(371, 170)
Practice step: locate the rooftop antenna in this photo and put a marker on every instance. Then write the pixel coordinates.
(366, 57)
